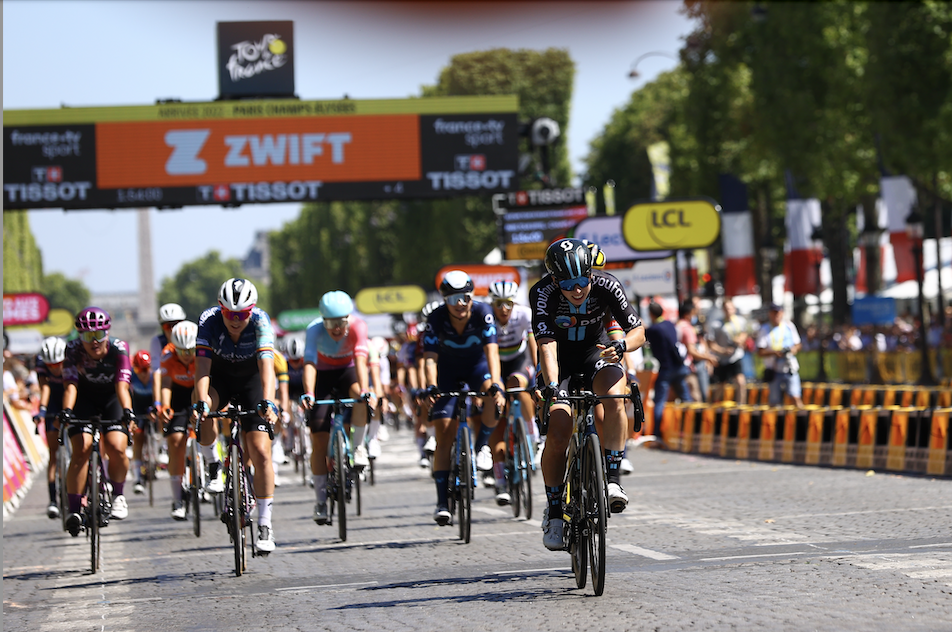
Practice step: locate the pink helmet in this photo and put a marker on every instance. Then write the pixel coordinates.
(92, 319)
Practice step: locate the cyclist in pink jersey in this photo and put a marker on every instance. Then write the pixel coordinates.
(336, 355)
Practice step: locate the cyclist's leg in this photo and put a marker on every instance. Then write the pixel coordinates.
(319, 424)
(52, 440)
(610, 379)
(445, 432)
(138, 440)
(82, 444)
(220, 395)
(115, 439)
(177, 441)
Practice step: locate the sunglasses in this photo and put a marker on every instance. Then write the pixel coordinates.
(503, 303)
(336, 323)
(569, 284)
(461, 298)
(185, 353)
(244, 314)
(94, 336)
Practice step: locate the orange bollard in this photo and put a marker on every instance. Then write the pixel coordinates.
(768, 433)
(939, 442)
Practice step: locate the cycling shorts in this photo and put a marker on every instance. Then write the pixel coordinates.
(520, 365)
(244, 390)
(586, 362)
(449, 378)
(330, 383)
(181, 403)
(102, 403)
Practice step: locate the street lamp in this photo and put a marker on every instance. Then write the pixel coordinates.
(817, 236)
(915, 231)
(633, 73)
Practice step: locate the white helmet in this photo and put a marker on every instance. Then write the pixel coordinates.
(184, 335)
(54, 350)
(429, 307)
(381, 345)
(503, 290)
(295, 348)
(237, 295)
(171, 313)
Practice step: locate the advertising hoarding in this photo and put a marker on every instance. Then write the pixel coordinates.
(606, 232)
(255, 59)
(534, 219)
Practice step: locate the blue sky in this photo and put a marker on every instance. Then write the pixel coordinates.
(82, 53)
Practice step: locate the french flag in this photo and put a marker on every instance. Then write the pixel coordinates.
(737, 237)
(801, 253)
(899, 196)
(860, 280)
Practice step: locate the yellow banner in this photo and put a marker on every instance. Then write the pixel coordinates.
(672, 225)
(391, 300)
(275, 108)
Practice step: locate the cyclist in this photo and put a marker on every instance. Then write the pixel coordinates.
(425, 433)
(170, 315)
(178, 381)
(142, 404)
(49, 373)
(517, 357)
(295, 357)
(459, 345)
(572, 306)
(96, 375)
(335, 362)
(281, 381)
(235, 363)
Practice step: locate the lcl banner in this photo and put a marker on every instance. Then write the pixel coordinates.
(255, 59)
(233, 153)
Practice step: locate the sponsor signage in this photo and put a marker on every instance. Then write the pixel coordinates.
(391, 300)
(297, 319)
(672, 225)
(59, 322)
(24, 309)
(606, 232)
(534, 219)
(483, 275)
(874, 310)
(232, 153)
(648, 278)
(255, 59)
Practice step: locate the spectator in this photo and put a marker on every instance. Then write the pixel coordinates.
(727, 341)
(778, 344)
(687, 336)
(672, 371)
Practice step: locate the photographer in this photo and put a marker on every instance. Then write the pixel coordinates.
(778, 344)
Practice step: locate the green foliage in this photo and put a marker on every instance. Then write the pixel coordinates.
(353, 245)
(195, 286)
(22, 261)
(65, 293)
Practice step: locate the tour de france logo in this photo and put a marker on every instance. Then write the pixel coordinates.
(250, 59)
(565, 321)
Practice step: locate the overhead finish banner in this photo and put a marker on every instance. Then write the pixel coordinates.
(232, 153)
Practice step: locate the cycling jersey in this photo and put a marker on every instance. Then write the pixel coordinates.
(513, 336)
(555, 317)
(280, 368)
(99, 376)
(182, 375)
(141, 393)
(55, 402)
(295, 380)
(156, 347)
(329, 354)
(460, 348)
(240, 358)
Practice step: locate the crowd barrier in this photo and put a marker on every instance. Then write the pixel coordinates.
(910, 439)
(854, 367)
(25, 456)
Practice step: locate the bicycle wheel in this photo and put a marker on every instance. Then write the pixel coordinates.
(194, 488)
(523, 467)
(512, 472)
(340, 471)
(578, 534)
(237, 509)
(62, 465)
(355, 476)
(466, 483)
(151, 463)
(93, 509)
(596, 517)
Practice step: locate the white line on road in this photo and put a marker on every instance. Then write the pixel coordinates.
(320, 586)
(750, 557)
(929, 546)
(637, 550)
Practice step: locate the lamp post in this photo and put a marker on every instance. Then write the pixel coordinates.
(869, 239)
(915, 231)
(633, 73)
(817, 236)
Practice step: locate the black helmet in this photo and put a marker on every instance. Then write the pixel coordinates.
(568, 259)
(456, 282)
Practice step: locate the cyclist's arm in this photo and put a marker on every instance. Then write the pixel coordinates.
(125, 397)
(44, 391)
(635, 338)
(284, 399)
(203, 367)
(429, 369)
(69, 394)
(309, 377)
(166, 393)
(492, 359)
(266, 372)
(533, 348)
(157, 381)
(548, 351)
(363, 373)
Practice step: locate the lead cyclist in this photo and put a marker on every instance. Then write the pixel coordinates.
(572, 307)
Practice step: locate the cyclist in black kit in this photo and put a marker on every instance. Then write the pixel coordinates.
(572, 306)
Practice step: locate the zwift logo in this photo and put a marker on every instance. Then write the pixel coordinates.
(253, 58)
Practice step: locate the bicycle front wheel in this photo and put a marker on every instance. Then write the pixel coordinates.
(466, 483)
(237, 509)
(62, 465)
(93, 510)
(596, 515)
(340, 472)
(579, 534)
(522, 469)
(195, 487)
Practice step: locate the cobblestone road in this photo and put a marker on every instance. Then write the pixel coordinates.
(706, 544)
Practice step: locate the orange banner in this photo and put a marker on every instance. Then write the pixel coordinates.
(189, 153)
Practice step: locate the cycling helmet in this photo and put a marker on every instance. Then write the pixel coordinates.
(237, 295)
(336, 304)
(505, 290)
(92, 319)
(568, 259)
(429, 307)
(184, 335)
(53, 351)
(295, 349)
(456, 282)
(598, 255)
(142, 361)
(171, 313)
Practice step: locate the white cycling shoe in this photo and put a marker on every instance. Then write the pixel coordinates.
(617, 498)
(120, 508)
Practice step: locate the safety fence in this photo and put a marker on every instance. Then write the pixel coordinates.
(887, 367)
(25, 455)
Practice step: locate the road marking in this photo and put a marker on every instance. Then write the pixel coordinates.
(524, 571)
(492, 511)
(863, 513)
(637, 550)
(751, 557)
(320, 586)
(929, 546)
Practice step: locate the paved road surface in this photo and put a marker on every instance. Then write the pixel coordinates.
(706, 544)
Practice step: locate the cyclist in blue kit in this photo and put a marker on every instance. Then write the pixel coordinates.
(235, 362)
(459, 346)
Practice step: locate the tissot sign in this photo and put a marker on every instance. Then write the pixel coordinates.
(255, 59)
(239, 152)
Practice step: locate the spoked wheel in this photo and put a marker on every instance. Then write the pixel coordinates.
(237, 509)
(578, 535)
(596, 516)
(194, 489)
(152, 464)
(466, 484)
(93, 510)
(62, 465)
(523, 468)
(340, 472)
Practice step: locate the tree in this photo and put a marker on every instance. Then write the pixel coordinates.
(195, 286)
(65, 293)
(22, 260)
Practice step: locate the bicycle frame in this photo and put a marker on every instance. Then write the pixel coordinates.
(341, 477)
(98, 509)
